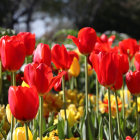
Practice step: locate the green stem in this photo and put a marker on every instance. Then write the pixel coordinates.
(64, 102)
(72, 83)
(123, 101)
(118, 119)
(75, 83)
(137, 120)
(97, 96)
(64, 96)
(13, 81)
(86, 84)
(26, 130)
(110, 121)
(41, 116)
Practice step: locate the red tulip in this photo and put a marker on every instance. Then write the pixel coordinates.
(29, 42)
(24, 102)
(61, 57)
(129, 46)
(12, 53)
(123, 63)
(133, 82)
(41, 77)
(86, 40)
(129, 138)
(137, 61)
(42, 54)
(57, 86)
(119, 82)
(105, 65)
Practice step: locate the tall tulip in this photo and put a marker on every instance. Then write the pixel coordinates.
(42, 54)
(29, 41)
(106, 65)
(133, 84)
(41, 77)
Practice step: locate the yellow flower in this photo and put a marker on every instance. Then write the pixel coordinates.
(74, 68)
(127, 96)
(24, 84)
(19, 134)
(8, 113)
(90, 70)
(103, 106)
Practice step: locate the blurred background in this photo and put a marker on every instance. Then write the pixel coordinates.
(46, 17)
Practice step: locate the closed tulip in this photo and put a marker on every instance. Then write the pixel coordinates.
(105, 65)
(74, 68)
(42, 54)
(19, 134)
(23, 102)
(12, 53)
(29, 42)
(133, 82)
(86, 40)
(60, 57)
(41, 77)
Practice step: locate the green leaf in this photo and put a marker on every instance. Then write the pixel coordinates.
(60, 128)
(51, 128)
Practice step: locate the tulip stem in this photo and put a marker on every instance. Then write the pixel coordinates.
(118, 119)
(26, 130)
(64, 102)
(97, 96)
(110, 121)
(123, 100)
(86, 84)
(13, 81)
(64, 96)
(137, 120)
(1, 79)
(41, 116)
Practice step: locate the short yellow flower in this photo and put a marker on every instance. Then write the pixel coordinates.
(19, 134)
(75, 67)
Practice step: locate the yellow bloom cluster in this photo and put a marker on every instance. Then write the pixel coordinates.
(73, 114)
(103, 106)
(52, 103)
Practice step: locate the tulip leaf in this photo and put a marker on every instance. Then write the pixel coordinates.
(35, 135)
(60, 128)
(101, 129)
(44, 125)
(51, 128)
